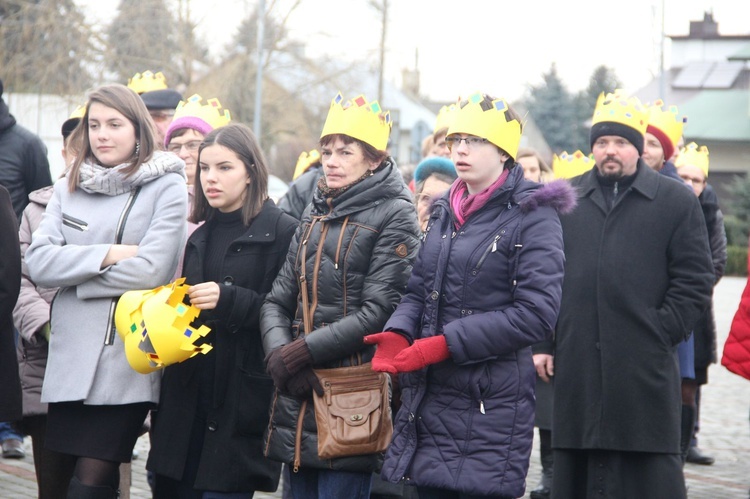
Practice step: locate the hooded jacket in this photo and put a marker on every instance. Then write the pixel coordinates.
(492, 288)
(360, 246)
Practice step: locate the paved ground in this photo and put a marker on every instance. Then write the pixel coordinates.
(725, 432)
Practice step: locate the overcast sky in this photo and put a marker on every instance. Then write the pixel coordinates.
(495, 46)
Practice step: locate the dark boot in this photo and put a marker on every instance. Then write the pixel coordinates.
(686, 429)
(544, 489)
(77, 490)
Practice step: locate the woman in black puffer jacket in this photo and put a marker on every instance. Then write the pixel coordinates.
(354, 251)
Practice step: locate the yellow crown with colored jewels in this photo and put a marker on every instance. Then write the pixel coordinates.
(491, 124)
(305, 161)
(666, 120)
(210, 112)
(693, 155)
(155, 327)
(620, 108)
(147, 82)
(571, 165)
(79, 112)
(444, 118)
(365, 121)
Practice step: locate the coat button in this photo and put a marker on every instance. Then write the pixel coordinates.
(598, 347)
(212, 425)
(434, 295)
(411, 417)
(228, 280)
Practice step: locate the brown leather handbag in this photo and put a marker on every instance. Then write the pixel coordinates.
(354, 413)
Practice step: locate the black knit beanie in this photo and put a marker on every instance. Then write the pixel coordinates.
(613, 128)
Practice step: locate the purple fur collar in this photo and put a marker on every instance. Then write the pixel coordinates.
(558, 194)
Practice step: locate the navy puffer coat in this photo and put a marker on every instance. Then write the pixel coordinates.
(492, 288)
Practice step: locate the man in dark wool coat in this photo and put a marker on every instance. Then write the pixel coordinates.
(637, 277)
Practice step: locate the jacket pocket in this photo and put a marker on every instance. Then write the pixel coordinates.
(491, 248)
(253, 402)
(75, 223)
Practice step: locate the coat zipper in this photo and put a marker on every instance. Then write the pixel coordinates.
(109, 335)
(298, 437)
(490, 249)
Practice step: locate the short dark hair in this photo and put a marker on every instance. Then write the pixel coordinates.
(239, 139)
(370, 153)
(125, 101)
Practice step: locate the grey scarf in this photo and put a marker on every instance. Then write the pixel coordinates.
(112, 182)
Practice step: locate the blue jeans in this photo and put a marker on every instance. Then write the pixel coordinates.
(8, 432)
(330, 484)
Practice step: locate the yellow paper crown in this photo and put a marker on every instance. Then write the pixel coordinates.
(147, 82)
(444, 118)
(155, 327)
(365, 121)
(491, 124)
(571, 165)
(617, 107)
(666, 120)
(305, 161)
(691, 154)
(78, 113)
(210, 112)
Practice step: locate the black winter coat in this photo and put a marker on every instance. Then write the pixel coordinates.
(360, 247)
(10, 285)
(23, 161)
(637, 277)
(232, 453)
(300, 193)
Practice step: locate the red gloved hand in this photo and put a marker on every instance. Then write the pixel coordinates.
(421, 354)
(389, 344)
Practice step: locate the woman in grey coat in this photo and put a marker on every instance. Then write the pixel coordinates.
(116, 222)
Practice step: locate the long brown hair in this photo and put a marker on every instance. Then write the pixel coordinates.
(239, 139)
(130, 105)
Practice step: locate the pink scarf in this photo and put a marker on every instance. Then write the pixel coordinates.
(464, 204)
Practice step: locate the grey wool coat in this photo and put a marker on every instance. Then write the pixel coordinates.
(86, 356)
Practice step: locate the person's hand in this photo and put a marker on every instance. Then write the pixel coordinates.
(286, 361)
(118, 252)
(205, 296)
(302, 384)
(389, 345)
(421, 354)
(544, 364)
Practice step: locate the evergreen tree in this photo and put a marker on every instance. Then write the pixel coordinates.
(143, 36)
(551, 106)
(603, 79)
(45, 47)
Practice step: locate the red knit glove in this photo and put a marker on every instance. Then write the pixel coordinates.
(389, 344)
(421, 354)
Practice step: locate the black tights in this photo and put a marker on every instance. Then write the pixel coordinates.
(97, 472)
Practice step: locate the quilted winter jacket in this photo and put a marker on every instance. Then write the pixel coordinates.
(360, 247)
(492, 288)
(736, 355)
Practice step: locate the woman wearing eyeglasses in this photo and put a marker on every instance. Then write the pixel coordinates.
(485, 287)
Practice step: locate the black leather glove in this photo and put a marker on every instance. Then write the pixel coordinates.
(303, 383)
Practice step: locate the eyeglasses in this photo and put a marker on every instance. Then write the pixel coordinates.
(470, 141)
(191, 146)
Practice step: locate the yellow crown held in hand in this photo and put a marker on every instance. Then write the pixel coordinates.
(666, 120)
(491, 124)
(210, 112)
(147, 82)
(444, 118)
(305, 161)
(155, 327)
(359, 119)
(618, 107)
(693, 155)
(571, 165)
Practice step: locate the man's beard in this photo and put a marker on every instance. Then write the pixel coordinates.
(612, 174)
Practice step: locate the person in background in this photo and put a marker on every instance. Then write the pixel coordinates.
(356, 245)
(692, 167)
(207, 437)
(307, 172)
(23, 168)
(433, 176)
(31, 317)
(115, 223)
(10, 282)
(160, 100)
(616, 424)
(442, 123)
(485, 287)
(534, 166)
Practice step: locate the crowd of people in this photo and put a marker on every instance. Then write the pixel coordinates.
(491, 294)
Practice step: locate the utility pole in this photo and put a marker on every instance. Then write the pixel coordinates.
(384, 11)
(259, 69)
